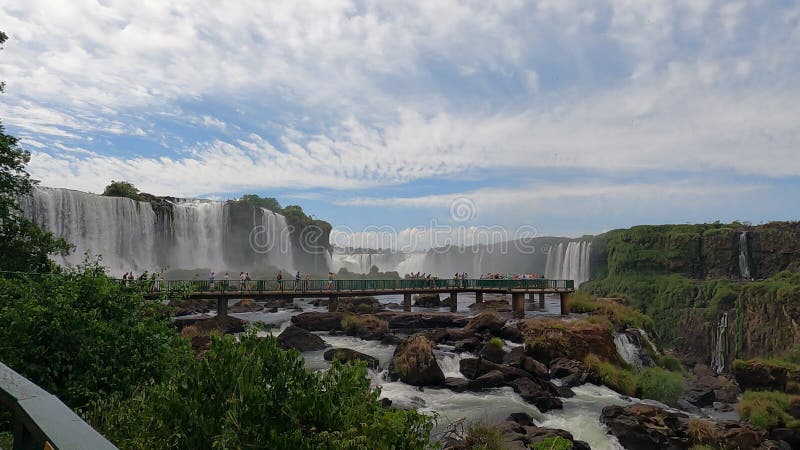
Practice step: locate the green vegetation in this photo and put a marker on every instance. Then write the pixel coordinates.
(768, 409)
(670, 363)
(618, 314)
(314, 233)
(651, 382)
(252, 394)
(552, 443)
(660, 384)
(122, 189)
(81, 337)
(701, 432)
(480, 436)
(497, 342)
(617, 378)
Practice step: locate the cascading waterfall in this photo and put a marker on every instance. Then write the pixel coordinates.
(744, 256)
(720, 344)
(363, 262)
(628, 349)
(569, 262)
(180, 234)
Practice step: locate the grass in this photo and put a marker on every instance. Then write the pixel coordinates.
(483, 437)
(659, 384)
(350, 323)
(619, 315)
(6, 440)
(497, 342)
(552, 443)
(670, 363)
(193, 331)
(621, 380)
(701, 432)
(768, 409)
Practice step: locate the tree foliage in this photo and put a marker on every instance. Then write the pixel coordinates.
(23, 245)
(81, 336)
(270, 203)
(122, 189)
(252, 394)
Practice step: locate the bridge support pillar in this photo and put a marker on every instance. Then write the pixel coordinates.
(518, 304)
(541, 301)
(479, 297)
(453, 301)
(407, 301)
(564, 303)
(222, 306)
(333, 303)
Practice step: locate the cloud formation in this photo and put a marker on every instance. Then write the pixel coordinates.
(190, 98)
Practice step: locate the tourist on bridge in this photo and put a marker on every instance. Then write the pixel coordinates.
(143, 276)
(247, 281)
(297, 281)
(279, 277)
(241, 281)
(330, 281)
(211, 280)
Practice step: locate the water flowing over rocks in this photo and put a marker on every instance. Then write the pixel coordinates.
(414, 363)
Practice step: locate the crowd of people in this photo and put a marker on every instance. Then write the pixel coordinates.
(155, 279)
(510, 276)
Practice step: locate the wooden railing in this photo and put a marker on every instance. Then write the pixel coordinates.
(41, 420)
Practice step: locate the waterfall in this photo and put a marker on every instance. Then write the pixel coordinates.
(362, 262)
(744, 256)
(569, 262)
(628, 349)
(177, 234)
(720, 344)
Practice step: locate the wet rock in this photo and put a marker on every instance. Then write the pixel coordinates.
(446, 302)
(274, 309)
(386, 403)
(500, 306)
(414, 363)
(543, 395)
(485, 322)
(492, 352)
(564, 367)
(417, 321)
(510, 331)
(391, 339)
(517, 358)
(775, 445)
(521, 418)
(491, 379)
(394, 306)
(699, 396)
(205, 324)
(358, 305)
(244, 306)
(349, 355)
(456, 384)
(300, 339)
(319, 321)
(739, 435)
(430, 300)
(473, 368)
(467, 345)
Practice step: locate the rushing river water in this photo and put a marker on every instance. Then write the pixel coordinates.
(580, 415)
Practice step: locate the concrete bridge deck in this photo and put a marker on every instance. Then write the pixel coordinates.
(224, 290)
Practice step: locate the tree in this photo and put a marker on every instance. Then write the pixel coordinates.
(269, 203)
(122, 189)
(23, 245)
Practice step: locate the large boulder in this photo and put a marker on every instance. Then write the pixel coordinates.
(417, 321)
(517, 358)
(427, 300)
(541, 394)
(319, 321)
(492, 352)
(414, 363)
(206, 324)
(245, 305)
(549, 339)
(491, 379)
(486, 322)
(358, 305)
(519, 432)
(699, 396)
(760, 375)
(349, 355)
(644, 427)
(367, 327)
(300, 339)
(500, 306)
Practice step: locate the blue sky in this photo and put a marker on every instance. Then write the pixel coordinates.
(570, 117)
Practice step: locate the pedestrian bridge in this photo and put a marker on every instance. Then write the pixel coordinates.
(224, 290)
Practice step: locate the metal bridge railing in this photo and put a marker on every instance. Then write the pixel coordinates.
(258, 286)
(41, 420)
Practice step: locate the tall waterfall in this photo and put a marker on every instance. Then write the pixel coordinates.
(363, 262)
(569, 262)
(720, 344)
(744, 256)
(178, 234)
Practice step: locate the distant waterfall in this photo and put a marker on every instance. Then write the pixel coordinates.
(628, 349)
(178, 234)
(363, 262)
(744, 256)
(720, 344)
(569, 262)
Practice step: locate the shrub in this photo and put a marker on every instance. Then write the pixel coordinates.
(349, 323)
(552, 443)
(483, 437)
(670, 363)
(497, 342)
(768, 409)
(662, 385)
(252, 394)
(621, 380)
(701, 431)
(81, 336)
